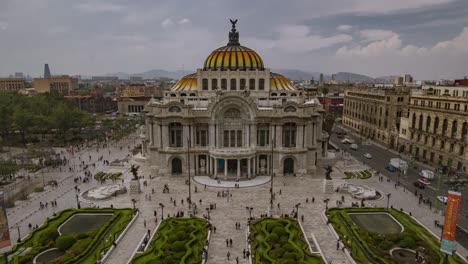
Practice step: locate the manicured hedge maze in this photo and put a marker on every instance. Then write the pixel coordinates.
(178, 240)
(370, 247)
(279, 240)
(83, 248)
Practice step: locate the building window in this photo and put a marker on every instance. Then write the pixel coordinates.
(420, 126)
(462, 151)
(223, 84)
(413, 123)
(261, 84)
(451, 147)
(205, 84)
(442, 145)
(232, 138)
(263, 135)
(428, 123)
(433, 141)
(233, 84)
(431, 159)
(214, 84)
(454, 129)
(242, 84)
(289, 135)
(252, 84)
(436, 125)
(445, 126)
(175, 135)
(173, 109)
(464, 135)
(202, 135)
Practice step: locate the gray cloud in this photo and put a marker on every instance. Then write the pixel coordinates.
(102, 36)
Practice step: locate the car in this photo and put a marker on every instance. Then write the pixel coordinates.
(419, 185)
(368, 155)
(353, 146)
(442, 199)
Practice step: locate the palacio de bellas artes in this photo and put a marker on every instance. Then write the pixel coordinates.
(236, 119)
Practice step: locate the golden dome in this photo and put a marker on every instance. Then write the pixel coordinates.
(186, 83)
(233, 56)
(280, 83)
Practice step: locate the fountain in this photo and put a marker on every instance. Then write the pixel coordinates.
(104, 192)
(360, 191)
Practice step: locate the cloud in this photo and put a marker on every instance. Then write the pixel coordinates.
(376, 34)
(344, 27)
(183, 21)
(388, 7)
(167, 23)
(3, 25)
(93, 7)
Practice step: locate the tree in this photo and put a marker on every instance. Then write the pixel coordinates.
(23, 120)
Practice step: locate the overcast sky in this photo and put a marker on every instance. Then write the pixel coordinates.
(427, 38)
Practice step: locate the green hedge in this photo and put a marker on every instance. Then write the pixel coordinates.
(279, 240)
(366, 246)
(107, 176)
(178, 240)
(87, 246)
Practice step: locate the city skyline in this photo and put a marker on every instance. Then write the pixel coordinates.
(426, 38)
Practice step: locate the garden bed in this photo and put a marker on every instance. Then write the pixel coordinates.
(107, 176)
(177, 240)
(77, 247)
(365, 174)
(370, 247)
(279, 240)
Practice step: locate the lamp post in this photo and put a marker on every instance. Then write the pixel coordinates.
(388, 199)
(272, 175)
(19, 233)
(77, 202)
(162, 210)
(188, 170)
(134, 205)
(208, 211)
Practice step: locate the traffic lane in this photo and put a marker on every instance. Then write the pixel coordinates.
(381, 159)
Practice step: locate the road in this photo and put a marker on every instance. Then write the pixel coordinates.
(380, 159)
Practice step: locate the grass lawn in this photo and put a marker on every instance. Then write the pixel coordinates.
(279, 240)
(177, 240)
(372, 247)
(82, 247)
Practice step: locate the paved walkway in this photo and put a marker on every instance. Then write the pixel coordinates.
(208, 181)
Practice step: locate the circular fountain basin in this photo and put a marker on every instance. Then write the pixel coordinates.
(104, 192)
(48, 255)
(360, 191)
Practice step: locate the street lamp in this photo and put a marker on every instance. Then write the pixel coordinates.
(19, 233)
(208, 211)
(134, 205)
(388, 199)
(77, 202)
(272, 175)
(188, 170)
(162, 210)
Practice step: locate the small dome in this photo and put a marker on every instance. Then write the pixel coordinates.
(233, 56)
(186, 83)
(280, 83)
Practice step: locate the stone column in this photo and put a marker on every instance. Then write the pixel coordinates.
(211, 133)
(208, 164)
(253, 135)
(248, 167)
(299, 136)
(165, 135)
(225, 168)
(215, 167)
(197, 161)
(151, 134)
(238, 168)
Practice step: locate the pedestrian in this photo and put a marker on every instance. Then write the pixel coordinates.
(338, 244)
(230, 242)
(243, 252)
(144, 223)
(237, 260)
(227, 242)
(228, 255)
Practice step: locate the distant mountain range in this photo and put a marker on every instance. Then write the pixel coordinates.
(290, 73)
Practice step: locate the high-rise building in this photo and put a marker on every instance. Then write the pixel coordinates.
(321, 77)
(398, 80)
(47, 71)
(408, 78)
(19, 75)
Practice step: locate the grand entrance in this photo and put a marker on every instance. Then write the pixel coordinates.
(288, 166)
(176, 166)
(232, 168)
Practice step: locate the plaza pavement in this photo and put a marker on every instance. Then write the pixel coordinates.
(294, 190)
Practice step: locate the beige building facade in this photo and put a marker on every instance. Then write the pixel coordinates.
(60, 84)
(375, 113)
(12, 84)
(437, 131)
(234, 119)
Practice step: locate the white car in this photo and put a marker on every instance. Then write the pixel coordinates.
(368, 155)
(344, 141)
(353, 146)
(442, 199)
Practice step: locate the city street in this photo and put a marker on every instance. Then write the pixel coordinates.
(381, 158)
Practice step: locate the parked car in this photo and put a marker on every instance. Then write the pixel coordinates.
(354, 147)
(419, 185)
(368, 155)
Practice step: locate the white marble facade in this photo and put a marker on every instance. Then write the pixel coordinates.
(234, 131)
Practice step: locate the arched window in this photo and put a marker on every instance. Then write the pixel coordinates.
(176, 165)
(428, 123)
(290, 109)
(175, 135)
(288, 166)
(436, 125)
(223, 84)
(233, 84)
(454, 129)
(413, 123)
(420, 126)
(293, 94)
(173, 95)
(183, 94)
(289, 135)
(192, 94)
(205, 84)
(214, 84)
(252, 84)
(444, 126)
(174, 109)
(464, 136)
(283, 94)
(274, 94)
(261, 84)
(243, 83)
(232, 113)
